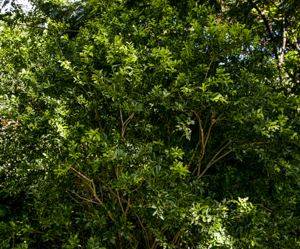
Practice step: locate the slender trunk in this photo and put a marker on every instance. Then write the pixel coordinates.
(283, 44)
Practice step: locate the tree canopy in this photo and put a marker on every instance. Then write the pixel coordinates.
(150, 124)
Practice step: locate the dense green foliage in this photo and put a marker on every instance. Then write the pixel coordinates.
(150, 124)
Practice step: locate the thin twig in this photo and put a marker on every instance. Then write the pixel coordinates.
(81, 174)
(127, 207)
(137, 187)
(209, 66)
(262, 206)
(72, 197)
(119, 199)
(87, 200)
(219, 152)
(208, 166)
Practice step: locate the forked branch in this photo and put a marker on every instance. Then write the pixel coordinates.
(91, 185)
(214, 159)
(203, 140)
(124, 124)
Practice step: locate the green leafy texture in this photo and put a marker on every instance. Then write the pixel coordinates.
(146, 124)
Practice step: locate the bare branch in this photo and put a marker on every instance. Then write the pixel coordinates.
(91, 185)
(200, 141)
(145, 231)
(124, 124)
(175, 239)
